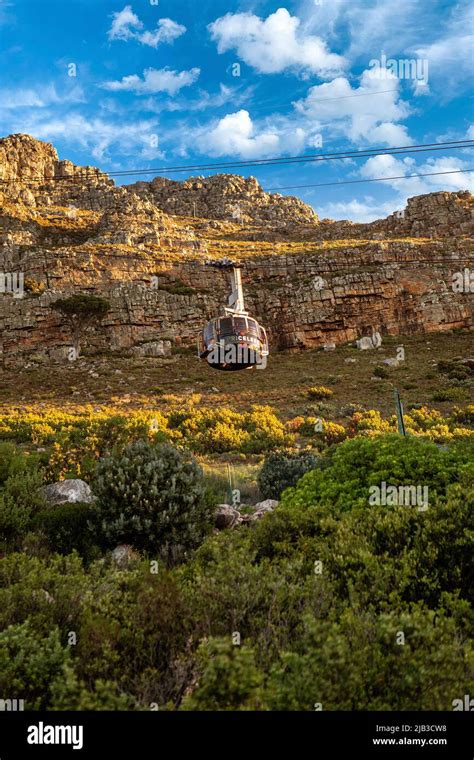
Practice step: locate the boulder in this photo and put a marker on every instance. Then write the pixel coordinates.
(226, 516)
(153, 348)
(123, 555)
(266, 506)
(366, 343)
(68, 492)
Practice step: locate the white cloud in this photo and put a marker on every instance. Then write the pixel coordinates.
(379, 25)
(235, 135)
(202, 100)
(154, 80)
(124, 24)
(274, 44)
(94, 135)
(355, 210)
(40, 97)
(390, 166)
(127, 26)
(366, 113)
(451, 63)
(371, 208)
(167, 31)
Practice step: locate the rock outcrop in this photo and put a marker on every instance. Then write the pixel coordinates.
(227, 197)
(73, 491)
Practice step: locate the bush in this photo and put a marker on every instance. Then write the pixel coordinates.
(426, 672)
(319, 392)
(452, 393)
(282, 470)
(67, 527)
(229, 678)
(7, 453)
(30, 664)
(363, 462)
(381, 372)
(20, 499)
(152, 497)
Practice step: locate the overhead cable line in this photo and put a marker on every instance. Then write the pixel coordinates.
(308, 158)
(319, 184)
(372, 179)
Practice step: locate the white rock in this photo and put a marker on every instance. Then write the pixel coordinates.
(68, 492)
(268, 505)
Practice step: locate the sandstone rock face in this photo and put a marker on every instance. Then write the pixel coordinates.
(68, 229)
(153, 348)
(72, 491)
(435, 215)
(224, 196)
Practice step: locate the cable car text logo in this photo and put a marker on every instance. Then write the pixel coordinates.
(236, 353)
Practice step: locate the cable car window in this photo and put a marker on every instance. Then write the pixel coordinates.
(252, 327)
(209, 332)
(240, 324)
(226, 326)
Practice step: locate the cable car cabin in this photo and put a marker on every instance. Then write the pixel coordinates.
(234, 342)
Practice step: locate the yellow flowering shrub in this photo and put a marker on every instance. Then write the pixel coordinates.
(369, 423)
(75, 439)
(319, 392)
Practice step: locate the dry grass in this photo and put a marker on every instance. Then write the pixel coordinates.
(132, 382)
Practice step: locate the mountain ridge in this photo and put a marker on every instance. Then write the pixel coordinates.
(69, 229)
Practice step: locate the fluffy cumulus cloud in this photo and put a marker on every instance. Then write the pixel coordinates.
(367, 113)
(154, 80)
(274, 44)
(235, 135)
(371, 207)
(406, 185)
(127, 26)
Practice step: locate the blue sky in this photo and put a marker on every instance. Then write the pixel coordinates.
(145, 84)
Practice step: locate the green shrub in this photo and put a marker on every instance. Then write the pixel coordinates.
(381, 372)
(7, 453)
(20, 498)
(360, 463)
(151, 496)
(30, 664)
(453, 393)
(67, 527)
(455, 370)
(282, 470)
(424, 670)
(71, 694)
(229, 678)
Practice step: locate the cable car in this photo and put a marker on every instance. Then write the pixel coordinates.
(234, 340)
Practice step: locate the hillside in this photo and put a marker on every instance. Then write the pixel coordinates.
(70, 229)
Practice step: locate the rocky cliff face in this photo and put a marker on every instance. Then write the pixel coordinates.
(225, 196)
(68, 229)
